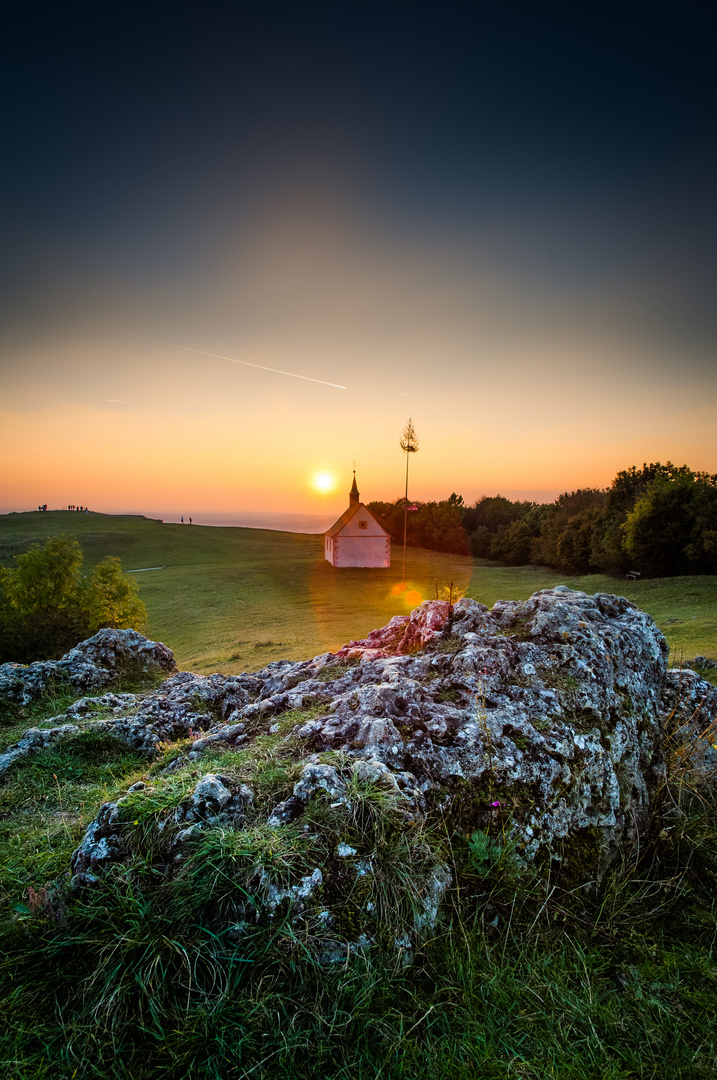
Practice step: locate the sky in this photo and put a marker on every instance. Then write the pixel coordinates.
(242, 245)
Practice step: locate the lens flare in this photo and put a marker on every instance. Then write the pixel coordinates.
(408, 593)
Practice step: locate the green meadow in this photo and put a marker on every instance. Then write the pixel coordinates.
(525, 977)
(230, 599)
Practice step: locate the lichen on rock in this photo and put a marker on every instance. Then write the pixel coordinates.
(547, 723)
(91, 665)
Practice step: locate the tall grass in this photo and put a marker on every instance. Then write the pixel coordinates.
(151, 975)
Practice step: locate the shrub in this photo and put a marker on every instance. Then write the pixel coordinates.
(673, 527)
(47, 604)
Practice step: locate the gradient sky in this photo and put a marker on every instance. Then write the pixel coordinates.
(498, 219)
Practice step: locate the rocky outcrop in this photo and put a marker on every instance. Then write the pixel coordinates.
(34, 741)
(91, 665)
(690, 726)
(404, 633)
(544, 713)
(546, 725)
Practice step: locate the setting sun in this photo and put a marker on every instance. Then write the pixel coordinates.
(324, 482)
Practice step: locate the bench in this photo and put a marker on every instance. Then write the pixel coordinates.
(632, 575)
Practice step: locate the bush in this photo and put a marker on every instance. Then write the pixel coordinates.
(673, 528)
(47, 604)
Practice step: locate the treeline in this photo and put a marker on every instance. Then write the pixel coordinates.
(660, 520)
(438, 526)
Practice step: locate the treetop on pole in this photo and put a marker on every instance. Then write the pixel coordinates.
(409, 439)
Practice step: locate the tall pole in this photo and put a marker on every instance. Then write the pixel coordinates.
(409, 445)
(405, 523)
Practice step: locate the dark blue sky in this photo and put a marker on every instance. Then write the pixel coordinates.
(136, 134)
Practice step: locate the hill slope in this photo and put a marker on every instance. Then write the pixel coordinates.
(230, 599)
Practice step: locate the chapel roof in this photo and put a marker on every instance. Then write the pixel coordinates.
(344, 519)
(353, 508)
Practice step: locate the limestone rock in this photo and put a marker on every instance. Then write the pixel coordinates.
(314, 777)
(213, 802)
(102, 845)
(404, 633)
(549, 722)
(690, 724)
(184, 705)
(91, 665)
(34, 741)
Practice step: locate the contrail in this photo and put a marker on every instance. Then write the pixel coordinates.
(246, 363)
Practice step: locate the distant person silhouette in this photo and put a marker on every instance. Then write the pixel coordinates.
(182, 519)
(190, 521)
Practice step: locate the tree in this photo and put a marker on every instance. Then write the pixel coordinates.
(493, 512)
(47, 604)
(660, 519)
(489, 515)
(434, 525)
(409, 445)
(672, 528)
(573, 547)
(513, 545)
(617, 546)
(566, 534)
(111, 597)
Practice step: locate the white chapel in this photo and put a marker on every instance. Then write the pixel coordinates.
(357, 539)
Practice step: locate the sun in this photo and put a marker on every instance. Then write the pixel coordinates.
(324, 482)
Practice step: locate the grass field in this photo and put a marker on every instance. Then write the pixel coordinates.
(228, 599)
(522, 979)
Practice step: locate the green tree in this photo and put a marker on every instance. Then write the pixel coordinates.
(493, 512)
(513, 545)
(573, 549)
(672, 529)
(566, 534)
(111, 597)
(434, 525)
(47, 604)
(490, 514)
(609, 550)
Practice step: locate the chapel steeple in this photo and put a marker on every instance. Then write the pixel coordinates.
(354, 499)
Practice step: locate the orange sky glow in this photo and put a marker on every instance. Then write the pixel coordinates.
(510, 389)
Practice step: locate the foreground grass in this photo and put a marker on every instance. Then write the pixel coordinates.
(558, 1007)
(524, 977)
(230, 599)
